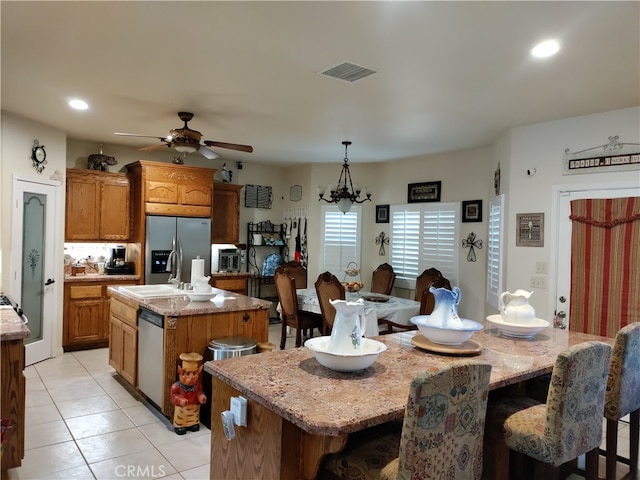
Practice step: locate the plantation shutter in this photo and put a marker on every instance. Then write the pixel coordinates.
(495, 250)
(424, 236)
(341, 242)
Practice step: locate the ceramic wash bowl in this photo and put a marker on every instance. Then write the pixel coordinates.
(345, 362)
(518, 330)
(436, 333)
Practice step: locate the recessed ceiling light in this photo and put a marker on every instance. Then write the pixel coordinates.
(545, 49)
(78, 104)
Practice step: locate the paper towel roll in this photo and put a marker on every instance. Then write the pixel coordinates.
(197, 269)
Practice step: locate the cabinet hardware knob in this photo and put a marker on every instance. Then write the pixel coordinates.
(246, 317)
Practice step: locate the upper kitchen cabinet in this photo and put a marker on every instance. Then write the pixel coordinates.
(98, 206)
(170, 189)
(226, 213)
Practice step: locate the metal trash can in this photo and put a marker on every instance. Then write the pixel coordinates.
(220, 349)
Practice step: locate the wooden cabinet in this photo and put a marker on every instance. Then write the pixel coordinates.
(98, 206)
(231, 282)
(123, 342)
(12, 399)
(86, 314)
(225, 225)
(169, 189)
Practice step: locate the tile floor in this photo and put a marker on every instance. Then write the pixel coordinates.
(82, 423)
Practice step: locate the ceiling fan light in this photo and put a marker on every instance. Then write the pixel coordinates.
(185, 148)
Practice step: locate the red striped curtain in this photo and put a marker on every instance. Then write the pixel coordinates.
(605, 265)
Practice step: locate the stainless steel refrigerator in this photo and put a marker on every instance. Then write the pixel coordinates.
(170, 239)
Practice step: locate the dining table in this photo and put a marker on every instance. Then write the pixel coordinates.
(376, 306)
(299, 410)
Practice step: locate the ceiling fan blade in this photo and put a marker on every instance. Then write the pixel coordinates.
(154, 147)
(142, 136)
(231, 146)
(208, 153)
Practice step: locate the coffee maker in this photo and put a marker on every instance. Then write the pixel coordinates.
(117, 256)
(117, 264)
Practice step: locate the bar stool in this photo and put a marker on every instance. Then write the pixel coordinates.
(568, 425)
(623, 397)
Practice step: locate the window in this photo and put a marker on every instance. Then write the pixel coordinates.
(341, 239)
(424, 236)
(495, 250)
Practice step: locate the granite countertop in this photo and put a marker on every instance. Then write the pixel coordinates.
(321, 401)
(177, 306)
(11, 326)
(95, 277)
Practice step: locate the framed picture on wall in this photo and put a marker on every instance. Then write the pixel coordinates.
(530, 229)
(424, 192)
(382, 213)
(472, 211)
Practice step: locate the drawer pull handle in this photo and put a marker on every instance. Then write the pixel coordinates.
(246, 317)
(49, 282)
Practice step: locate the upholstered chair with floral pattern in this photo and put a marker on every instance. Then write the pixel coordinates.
(567, 426)
(441, 434)
(623, 397)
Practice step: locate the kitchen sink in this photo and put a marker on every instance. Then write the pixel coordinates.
(147, 291)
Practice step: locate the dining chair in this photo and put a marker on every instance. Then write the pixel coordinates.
(623, 398)
(441, 435)
(382, 279)
(297, 271)
(429, 278)
(328, 287)
(291, 317)
(568, 425)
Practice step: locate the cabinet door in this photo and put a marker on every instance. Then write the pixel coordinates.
(226, 215)
(194, 195)
(129, 354)
(254, 324)
(85, 320)
(115, 344)
(82, 222)
(161, 192)
(115, 207)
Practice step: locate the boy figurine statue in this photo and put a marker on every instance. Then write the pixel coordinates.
(187, 394)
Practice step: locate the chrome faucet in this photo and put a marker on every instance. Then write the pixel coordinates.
(174, 263)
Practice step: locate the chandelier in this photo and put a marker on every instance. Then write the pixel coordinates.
(344, 194)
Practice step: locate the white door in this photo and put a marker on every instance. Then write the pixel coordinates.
(32, 260)
(562, 292)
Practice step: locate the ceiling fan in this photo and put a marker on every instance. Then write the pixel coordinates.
(185, 140)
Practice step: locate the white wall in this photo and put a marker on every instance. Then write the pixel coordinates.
(542, 146)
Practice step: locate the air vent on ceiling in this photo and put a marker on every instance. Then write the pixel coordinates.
(348, 72)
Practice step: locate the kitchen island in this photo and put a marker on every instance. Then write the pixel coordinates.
(12, 392)
(187, 327)
(298, 410)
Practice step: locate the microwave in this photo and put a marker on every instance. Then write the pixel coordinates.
(229, 260)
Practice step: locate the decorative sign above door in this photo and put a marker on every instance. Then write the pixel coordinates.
(610, 157)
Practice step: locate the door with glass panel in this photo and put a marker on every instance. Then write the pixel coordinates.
(32, 260)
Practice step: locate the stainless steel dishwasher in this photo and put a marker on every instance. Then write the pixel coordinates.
(150, 354)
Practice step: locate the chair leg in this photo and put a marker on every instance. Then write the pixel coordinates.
(612, 448)
(298, 336)
(591, 459)
(283, 335)
(634, 433)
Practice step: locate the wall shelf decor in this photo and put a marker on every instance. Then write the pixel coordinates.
(424, 192)
(610, 157)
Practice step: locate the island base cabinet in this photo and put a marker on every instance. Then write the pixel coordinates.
(269, 447)
(123, 340)
(12, 399)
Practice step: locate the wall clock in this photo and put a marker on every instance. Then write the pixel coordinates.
(38, 156)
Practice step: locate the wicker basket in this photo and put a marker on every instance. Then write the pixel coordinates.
(352, 271)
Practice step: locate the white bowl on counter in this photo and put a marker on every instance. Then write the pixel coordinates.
(518, 330)
(200, 296)
(445, 335)
(345, 362)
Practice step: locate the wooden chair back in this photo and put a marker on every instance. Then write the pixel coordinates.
(297, 271)
(328, 287)
(383, 279)
(429, 278)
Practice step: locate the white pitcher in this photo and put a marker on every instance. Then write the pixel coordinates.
(515, 308)
(346, 333)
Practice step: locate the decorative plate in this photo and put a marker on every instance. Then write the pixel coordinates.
(372, 297)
